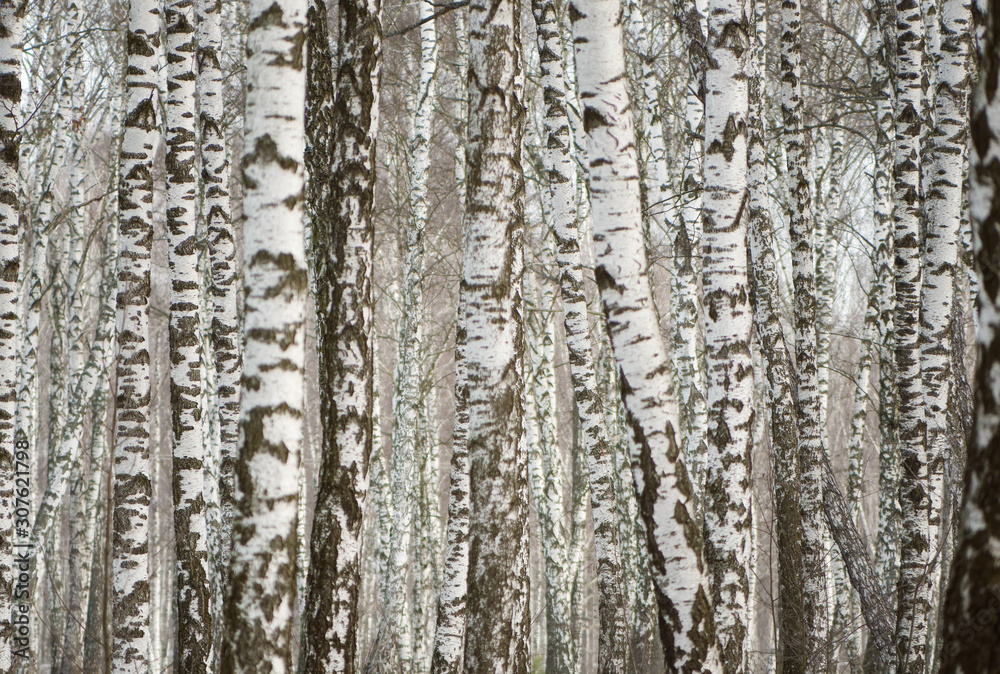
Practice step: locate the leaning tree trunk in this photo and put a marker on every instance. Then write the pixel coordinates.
(261, 598)
(493, 263)
(912, 587)
(341, 195)
(727, 500)
(11, 22)
(971, 635)
(194, 617)
(557, 160)
(811, 452)
(132, 488)
(663, 488)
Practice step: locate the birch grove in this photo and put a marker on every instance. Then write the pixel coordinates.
(600, 336)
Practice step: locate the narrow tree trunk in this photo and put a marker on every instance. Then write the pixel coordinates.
(451, 610)
(971, 635)
(408, 437)
(727, 498)
(11, 22)
(261, 598)
(194, 626)
(215, 175)
(492, 266)
(811, 451)
(548, 480)
(793, 649)
(943, 204)
(343, 235)
(663, 488)
(132, 488)
(912, 587)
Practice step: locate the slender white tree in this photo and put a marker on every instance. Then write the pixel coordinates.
(663, 488)
(727, 508)
(341, 162)
(497, 628)
(261, 597)
(11, 22)
(132, 488)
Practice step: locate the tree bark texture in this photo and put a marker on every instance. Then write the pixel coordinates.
(261, 597)
(492, 266)
(663, 488)
(343, 234)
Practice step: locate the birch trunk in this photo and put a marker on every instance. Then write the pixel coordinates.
(943, 204)
(194, 626)
(216, 210)
(451, 608)
(971, 635)
(492, 266)
(811, 451)
(343, 226)
(408, 438)
(887, 535)
(558, 162)
(793, 649)
(132, 487)
(548, 480)
(11, 22)
(261, 597)
(727, 502)
(911, 587)
(664, 491)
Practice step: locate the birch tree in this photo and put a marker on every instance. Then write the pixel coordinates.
(11, 22)
(943, 205)
(727, 508)
(810, 452)
(793, 653)
(663, 489)
(194, 624)
(496, 635)
(970, 638)
(912, 588)
(557, 160)
(261, 597)
(217, 212)
(132, 491)
(343, 236)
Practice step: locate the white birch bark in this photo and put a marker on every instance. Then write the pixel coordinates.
(492, 266)
(548, 478)
(130, 570)
(662, 485)
(343, 230)
(11, 23)
(811, 451)
(558, 162)
(727, 503)
(792, 646)
(217, 214)
(451, 609)
(911, 587)
(261, 597)
(194, 626)
(409, 436)
(971, 635)
(943, 204)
